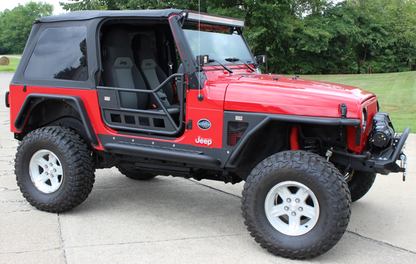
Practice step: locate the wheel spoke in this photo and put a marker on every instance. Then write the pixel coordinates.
(278, 210)
(41, 178)
(41, 162)
(52, 159)
(58, 170)
(302, 194)
(309, 211)
(294, 223)
(284, 192)
(54, 182)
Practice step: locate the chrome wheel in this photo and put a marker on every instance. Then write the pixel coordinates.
(45, 170)
(292, 208)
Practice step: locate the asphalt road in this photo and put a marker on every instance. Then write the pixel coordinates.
(174, 220)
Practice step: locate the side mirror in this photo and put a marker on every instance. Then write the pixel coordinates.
(261, 59)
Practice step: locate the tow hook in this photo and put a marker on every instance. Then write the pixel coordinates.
(403, 159)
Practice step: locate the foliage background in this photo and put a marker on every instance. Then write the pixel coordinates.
(15, 25)
(298, 36)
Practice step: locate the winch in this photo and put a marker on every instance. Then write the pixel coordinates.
(383, 130)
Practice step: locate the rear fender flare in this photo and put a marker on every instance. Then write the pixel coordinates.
(76, 102)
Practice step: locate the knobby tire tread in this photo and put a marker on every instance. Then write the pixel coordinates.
(81, 167)
(303, 160)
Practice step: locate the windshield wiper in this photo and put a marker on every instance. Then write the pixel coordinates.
(225, 67)
(237, 59)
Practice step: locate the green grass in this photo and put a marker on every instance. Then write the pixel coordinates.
(396, 93)
(11, 67)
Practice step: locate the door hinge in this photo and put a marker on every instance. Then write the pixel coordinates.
(189, 125)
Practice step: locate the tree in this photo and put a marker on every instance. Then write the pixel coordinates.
(309, 36)
(15, 25)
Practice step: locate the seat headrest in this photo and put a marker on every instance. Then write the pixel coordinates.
(118, 37)
(140, 42)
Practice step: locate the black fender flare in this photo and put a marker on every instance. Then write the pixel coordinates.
(264, 119)
(76, 102)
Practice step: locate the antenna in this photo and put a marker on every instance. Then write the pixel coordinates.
(200, 97)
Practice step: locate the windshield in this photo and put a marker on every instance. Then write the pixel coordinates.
(218, 42)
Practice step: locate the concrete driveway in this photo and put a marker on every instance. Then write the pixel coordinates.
(174, 220)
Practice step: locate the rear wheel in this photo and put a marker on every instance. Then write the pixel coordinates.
(135, 174)
(296, 204)
(54, 169)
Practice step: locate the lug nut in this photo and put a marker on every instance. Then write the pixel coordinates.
(50, 164)
(297, 200)
(293, 214)
(286, 208)
(300, 209)
(46, 166)
(288, 200)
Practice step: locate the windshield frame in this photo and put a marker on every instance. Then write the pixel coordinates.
(195, 74)
(217, 28)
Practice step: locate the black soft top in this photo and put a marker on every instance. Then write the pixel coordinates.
(91, 14)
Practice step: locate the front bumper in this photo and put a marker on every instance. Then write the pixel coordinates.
(381, 161)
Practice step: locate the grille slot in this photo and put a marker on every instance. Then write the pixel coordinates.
(235, 131)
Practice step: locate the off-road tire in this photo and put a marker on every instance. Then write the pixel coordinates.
(302, 169)
(132, 173)
(71, 156)
(360, 184)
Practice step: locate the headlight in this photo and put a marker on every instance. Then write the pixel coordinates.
(364, 120)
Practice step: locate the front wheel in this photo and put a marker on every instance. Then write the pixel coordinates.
(54, 169)
(296, 204)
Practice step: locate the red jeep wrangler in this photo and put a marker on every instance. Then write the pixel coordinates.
(172, 92)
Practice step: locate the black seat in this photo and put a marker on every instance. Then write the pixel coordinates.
(152, 72)
(120, 71)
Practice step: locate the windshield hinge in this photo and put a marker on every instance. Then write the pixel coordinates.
(343, 110)
(182, 19)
